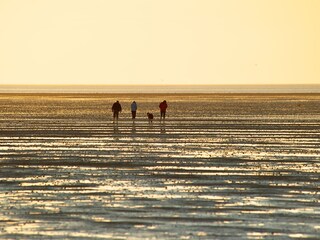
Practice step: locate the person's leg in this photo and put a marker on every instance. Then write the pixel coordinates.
(134, 114)
(116, 116)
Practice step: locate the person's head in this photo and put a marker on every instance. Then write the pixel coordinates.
(117, 101)
(164, 101)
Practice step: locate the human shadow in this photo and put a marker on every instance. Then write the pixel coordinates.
(115, 128)
(133, 128)
(162, 127)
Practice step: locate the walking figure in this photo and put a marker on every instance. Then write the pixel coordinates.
(134, 108)
(163, 107)
(116, 108)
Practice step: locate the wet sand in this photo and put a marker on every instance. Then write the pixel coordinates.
(222, 166)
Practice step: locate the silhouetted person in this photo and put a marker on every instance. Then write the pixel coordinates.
(163, 108)
(134, 108)
(116, 108)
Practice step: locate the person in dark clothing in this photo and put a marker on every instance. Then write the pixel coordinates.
(163, 108)
(134, 108)
(116, 108)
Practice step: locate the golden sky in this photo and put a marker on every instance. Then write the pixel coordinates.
(159, 41)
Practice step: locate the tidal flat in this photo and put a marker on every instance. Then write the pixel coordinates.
(221, 166)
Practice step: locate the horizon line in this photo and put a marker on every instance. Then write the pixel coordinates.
(122, 84)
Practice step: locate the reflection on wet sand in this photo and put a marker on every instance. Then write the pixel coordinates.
(133, 129)
(163, 127)
(234, 176)
(115, 128)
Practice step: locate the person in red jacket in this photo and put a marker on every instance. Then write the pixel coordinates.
(163, 108)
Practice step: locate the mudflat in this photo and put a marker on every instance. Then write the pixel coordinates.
(237, 166)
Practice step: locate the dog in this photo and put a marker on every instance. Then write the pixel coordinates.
(150, 117)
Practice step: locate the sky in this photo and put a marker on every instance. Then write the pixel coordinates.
(159, 41)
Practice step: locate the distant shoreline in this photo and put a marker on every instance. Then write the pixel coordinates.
(152, 95)
(163, 89)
